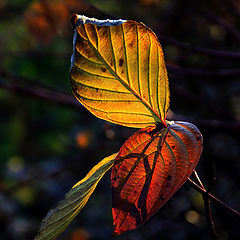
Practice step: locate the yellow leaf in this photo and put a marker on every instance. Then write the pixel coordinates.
(60, 217)
(118, 71)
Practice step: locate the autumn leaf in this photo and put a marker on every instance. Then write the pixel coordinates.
(150, 167)
(118, 71)
(60, 217)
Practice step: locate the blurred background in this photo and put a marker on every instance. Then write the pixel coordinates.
(49, 141)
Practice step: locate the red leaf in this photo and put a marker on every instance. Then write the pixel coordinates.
(149, 168)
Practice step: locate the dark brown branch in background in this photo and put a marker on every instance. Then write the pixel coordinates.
(24, 81)
(198, 49)
(219, 124)
(197, 72)
(42, 93)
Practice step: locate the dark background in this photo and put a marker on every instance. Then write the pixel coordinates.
(48, 141)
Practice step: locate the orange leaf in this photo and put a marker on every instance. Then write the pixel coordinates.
(118, 71)
(149, 168)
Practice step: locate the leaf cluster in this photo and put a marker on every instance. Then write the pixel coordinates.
(118, 73)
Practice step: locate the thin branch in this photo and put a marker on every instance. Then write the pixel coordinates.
(198, 179)
(198, 49)
(38, 90)
(209, 219)
(24, 81)
(212, 181)
(198, 72)
(219, 124)
(42, 93)
(214, 199)
(207, 207)
(210, 124)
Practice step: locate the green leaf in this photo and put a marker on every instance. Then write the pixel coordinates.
(61, 216)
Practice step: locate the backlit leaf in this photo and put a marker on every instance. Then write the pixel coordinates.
(149, 169)
(60, 217)
(118, 71)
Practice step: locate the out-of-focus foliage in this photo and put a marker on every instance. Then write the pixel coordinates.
(43, 145)
(45, 19)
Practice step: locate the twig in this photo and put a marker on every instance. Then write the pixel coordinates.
(214, 199)
(42, 93)
(197, 72)
(198, 179)
(202, 50)
(24, 81)
(210, 223)
(210, 124)
(213, 177)
(219, 124)
(207, 207)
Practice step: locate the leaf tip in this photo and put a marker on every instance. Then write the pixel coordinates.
(117, 231)
(74, 20)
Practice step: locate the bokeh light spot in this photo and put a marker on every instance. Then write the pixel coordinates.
(217, 33)
(192, 217)
(15, 164)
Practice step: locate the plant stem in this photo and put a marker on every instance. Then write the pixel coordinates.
(210, 223)
(210, 196)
